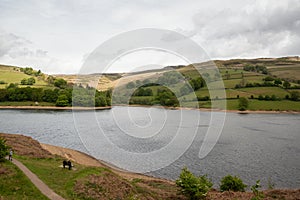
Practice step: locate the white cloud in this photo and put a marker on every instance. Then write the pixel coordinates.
(59, 34)
(258, 29)
(15, 50)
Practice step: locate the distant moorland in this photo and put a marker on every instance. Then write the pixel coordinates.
(271, 84)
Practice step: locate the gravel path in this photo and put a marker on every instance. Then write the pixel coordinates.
(37, 182)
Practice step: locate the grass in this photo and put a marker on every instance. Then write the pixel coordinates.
(283, 105)
(279, 92)
(65, 182)
(15, 185)
(25, 103)
(286, 71)
(59, 179)
(9, 75)
(254, 104)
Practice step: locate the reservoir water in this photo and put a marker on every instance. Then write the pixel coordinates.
(252, 146)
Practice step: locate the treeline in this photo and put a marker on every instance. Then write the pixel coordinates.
(268, 82)
(164, 97)
(182, 85)
(76, 96)
(31, 72)
(256, 68)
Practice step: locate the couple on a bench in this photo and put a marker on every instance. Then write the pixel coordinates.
(67, 163)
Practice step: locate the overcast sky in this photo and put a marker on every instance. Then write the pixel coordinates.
(56, 36)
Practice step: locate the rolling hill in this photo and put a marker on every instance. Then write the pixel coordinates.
(268, 83)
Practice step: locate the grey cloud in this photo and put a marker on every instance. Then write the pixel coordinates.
(14, 46)
(9, 41)
(251, 30)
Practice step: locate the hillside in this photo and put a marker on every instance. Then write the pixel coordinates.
(285, 68)
(12, 74)
(268, 84)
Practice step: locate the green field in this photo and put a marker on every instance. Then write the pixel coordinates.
(232, 104)
(10, 74)
(15, 185)
(25, 103)
(279, 92)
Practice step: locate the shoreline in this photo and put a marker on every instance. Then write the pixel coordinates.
(88, 160)
(53, 108)
(145, 106)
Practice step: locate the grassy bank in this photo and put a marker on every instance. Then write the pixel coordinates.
(86, 182)
(94, 182)
(15, 185)
(25, 103)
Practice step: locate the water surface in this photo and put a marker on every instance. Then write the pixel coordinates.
(253, 146)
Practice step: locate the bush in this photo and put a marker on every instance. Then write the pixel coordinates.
(243, 103)
(60, 83)
(29, 81)
(295, 95)
(258, 195)
(193, 187)
(62, 101)
(3, 149)
(232, 183)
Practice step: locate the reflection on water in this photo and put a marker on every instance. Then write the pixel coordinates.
(254, 146)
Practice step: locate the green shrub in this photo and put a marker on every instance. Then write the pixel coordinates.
(62, 101)
(243, 103)
(192, 186)
(258, 195)
(232, 183)
(3, 149)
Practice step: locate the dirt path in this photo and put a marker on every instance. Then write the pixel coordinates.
(37, 182)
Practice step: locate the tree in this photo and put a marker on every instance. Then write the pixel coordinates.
(227, 75)
(3, 149)
(38, 73)
(243, 103)
(24, 81)
(286, 84)
(62, 100)
(277, 81)
(30, 81)
(197, 83)
(148, 92)
(193, 187)
(273, 97)
(295, 95)
(61, 83)
(50, 79)
(268, 78)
